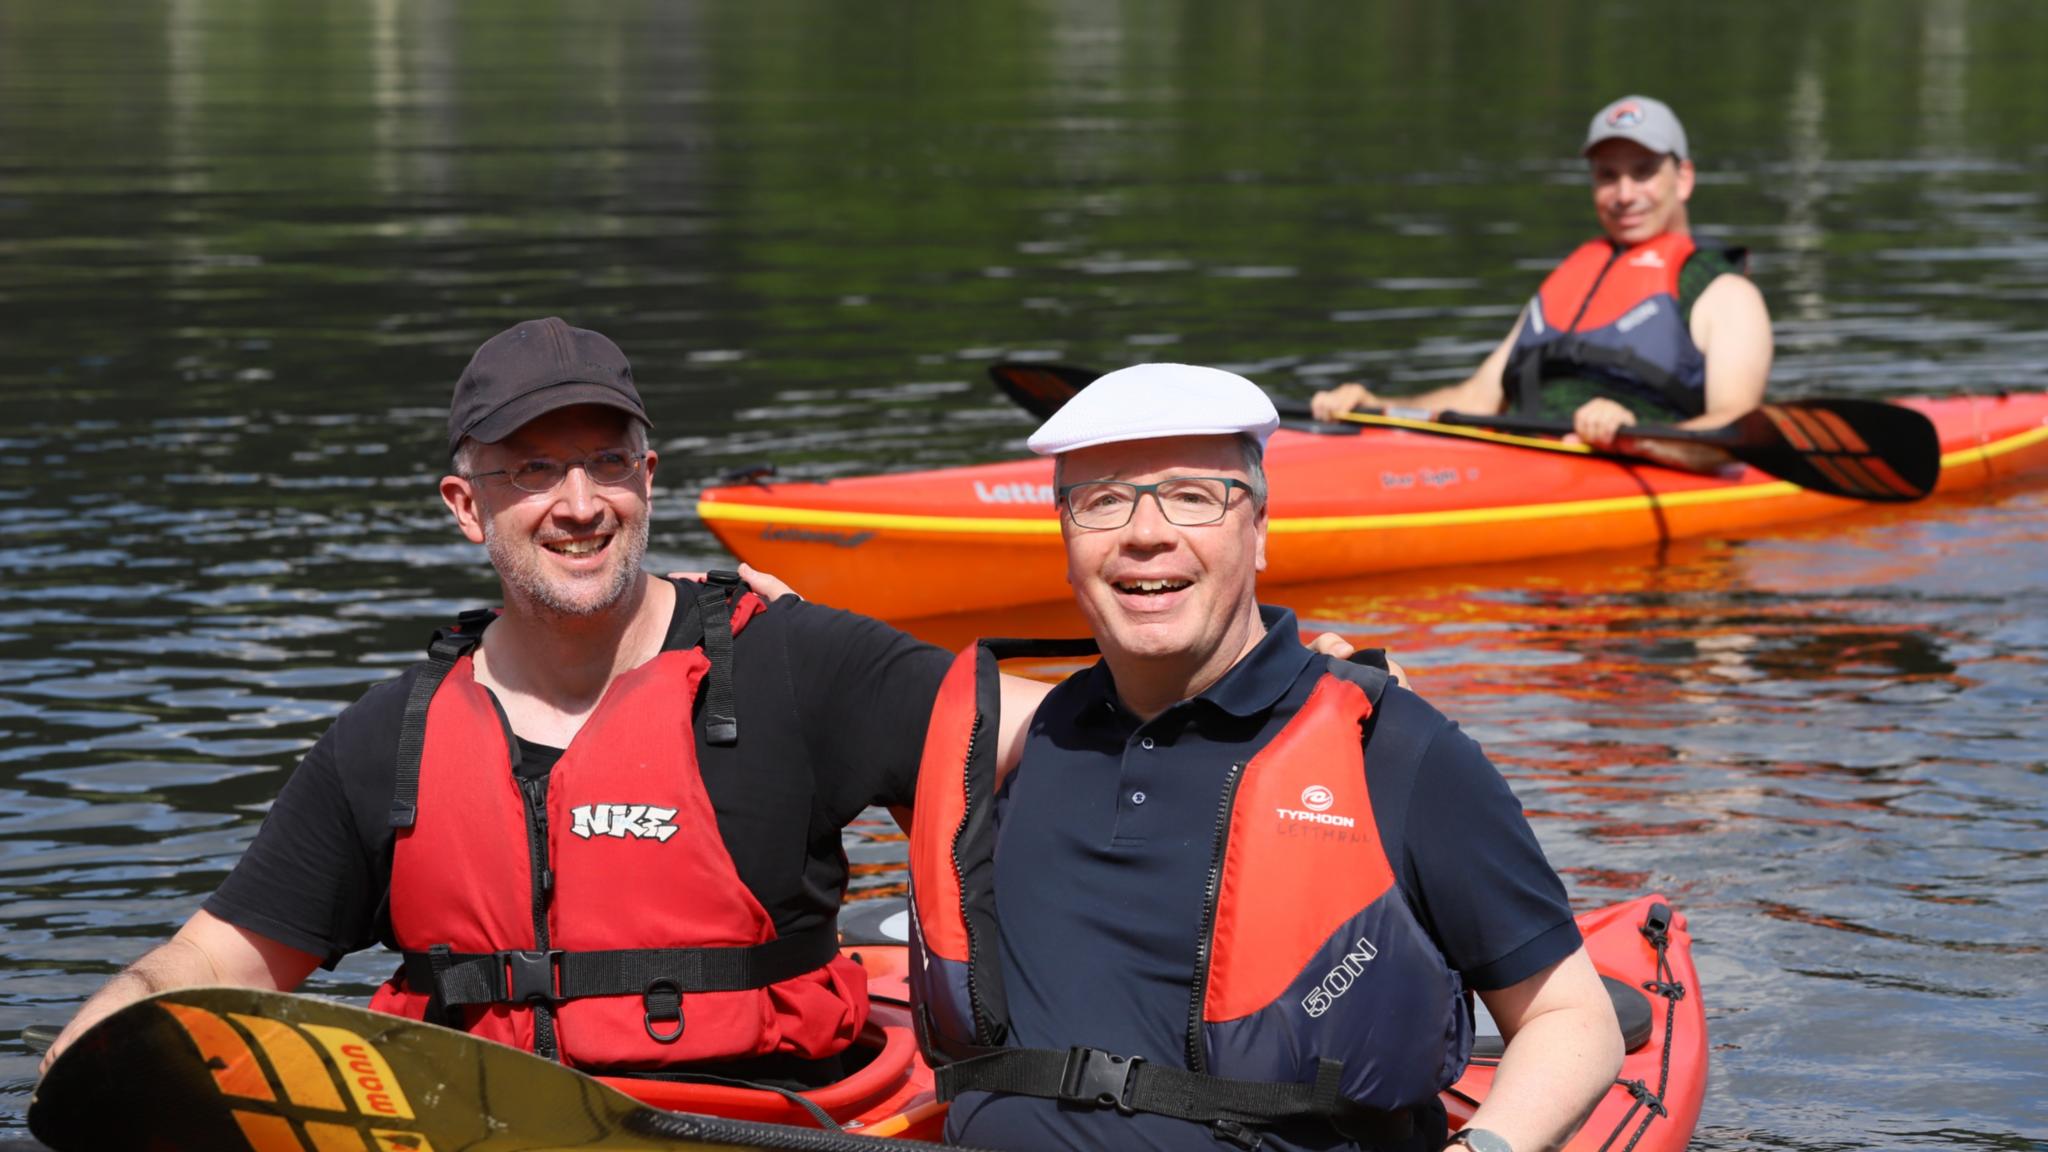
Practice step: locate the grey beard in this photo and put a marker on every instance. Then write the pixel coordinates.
(523, 579)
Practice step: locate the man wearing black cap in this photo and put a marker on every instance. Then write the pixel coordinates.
(603, 823)
(1641, 324)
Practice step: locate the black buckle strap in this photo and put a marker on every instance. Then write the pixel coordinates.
(530, 976)
(1092, 1076)
(661, 976)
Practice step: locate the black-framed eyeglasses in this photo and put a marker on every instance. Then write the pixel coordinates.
(1189, 501)
(541, 474)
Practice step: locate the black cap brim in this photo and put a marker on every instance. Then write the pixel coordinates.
(523, 410)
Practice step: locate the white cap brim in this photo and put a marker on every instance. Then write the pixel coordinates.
(1156, 401)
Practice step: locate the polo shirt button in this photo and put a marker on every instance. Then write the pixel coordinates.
(1146, 743)
(1137, 797)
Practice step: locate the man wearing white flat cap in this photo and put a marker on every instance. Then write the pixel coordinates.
(1233, 890)
(1638, 324)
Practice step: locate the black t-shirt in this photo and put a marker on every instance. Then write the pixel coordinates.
(832, 710)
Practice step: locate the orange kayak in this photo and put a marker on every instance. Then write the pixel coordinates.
(1652, 1107)
(915, 544)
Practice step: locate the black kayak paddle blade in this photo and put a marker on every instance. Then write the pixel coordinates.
(1040, 389)
(1860, 449)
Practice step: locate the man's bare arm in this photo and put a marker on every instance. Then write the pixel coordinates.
(1732, 327)
(1563, 1050)
(207, 950)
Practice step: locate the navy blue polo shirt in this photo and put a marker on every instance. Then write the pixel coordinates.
(1105, 835)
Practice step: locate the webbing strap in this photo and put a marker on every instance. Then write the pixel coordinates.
(1571, 356)
(714, 609)
(554, 976)
(443, 651)
(1090, 1077)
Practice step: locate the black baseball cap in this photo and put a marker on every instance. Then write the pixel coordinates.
(533, 368)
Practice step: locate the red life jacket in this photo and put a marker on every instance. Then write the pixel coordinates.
(1316, 992)
(605, 925)
(1612, 314)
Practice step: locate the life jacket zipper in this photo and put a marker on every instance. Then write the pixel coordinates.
(1211, 894)
(984, 1029)
(535, 792)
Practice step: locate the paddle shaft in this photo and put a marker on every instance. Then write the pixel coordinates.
(1857, 449)
(1520, 425)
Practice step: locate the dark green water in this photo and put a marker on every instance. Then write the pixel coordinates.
(245, 247)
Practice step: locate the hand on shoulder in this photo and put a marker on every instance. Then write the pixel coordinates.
(767, 587)
(1331, 644)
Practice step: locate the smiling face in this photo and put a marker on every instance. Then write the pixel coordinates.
(1171, 606)
(1639, 194)
(573, 551)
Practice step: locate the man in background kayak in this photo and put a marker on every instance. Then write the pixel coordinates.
(1200, 908)
(603, 824)
(1640, 324)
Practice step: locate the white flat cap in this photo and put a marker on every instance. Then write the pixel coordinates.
(1153, 401)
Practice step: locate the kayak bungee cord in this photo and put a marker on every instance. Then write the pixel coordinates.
(1656, 928)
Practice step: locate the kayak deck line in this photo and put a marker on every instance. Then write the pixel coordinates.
(885, 521)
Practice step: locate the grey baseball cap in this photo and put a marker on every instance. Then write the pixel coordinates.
(1647, 121)
(533, 368)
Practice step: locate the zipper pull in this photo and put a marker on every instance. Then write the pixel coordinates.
(536, 790)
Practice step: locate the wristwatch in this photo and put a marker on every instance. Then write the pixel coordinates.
(1479, 1140)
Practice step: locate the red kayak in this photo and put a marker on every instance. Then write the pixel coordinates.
(1652, 1107)
(917, 544)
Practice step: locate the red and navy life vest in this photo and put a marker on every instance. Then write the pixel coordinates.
(1316, 992)
(1613, 315)
(594, 915)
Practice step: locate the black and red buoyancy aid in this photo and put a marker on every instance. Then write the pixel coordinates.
(1316, 994)
(593, 915)
(1613, 314)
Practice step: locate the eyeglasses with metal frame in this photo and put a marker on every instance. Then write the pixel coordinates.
(1188, 501)
(540, 474)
